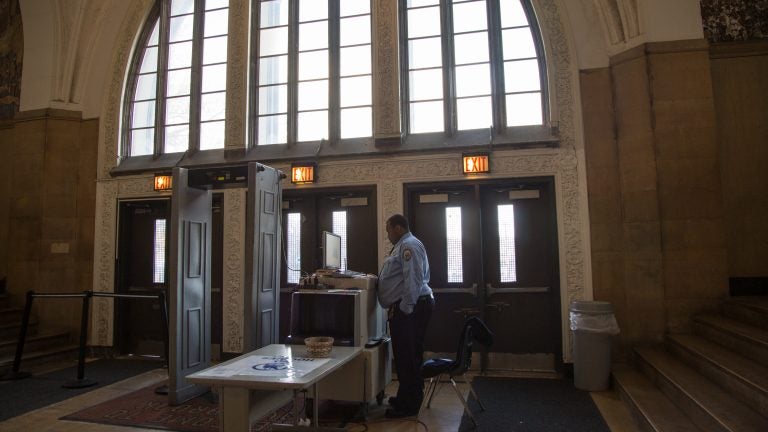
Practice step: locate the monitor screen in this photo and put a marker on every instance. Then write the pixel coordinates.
(331, 251)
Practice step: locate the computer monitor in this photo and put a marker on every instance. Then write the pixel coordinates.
(331, 251)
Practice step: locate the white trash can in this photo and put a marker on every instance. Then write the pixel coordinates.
(593, 325)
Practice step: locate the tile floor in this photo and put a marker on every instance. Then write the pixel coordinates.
(444, 414)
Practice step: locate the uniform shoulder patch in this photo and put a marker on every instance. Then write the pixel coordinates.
(407, 254)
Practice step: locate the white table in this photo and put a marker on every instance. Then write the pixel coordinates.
(258, 382)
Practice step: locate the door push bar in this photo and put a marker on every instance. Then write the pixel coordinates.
(491, 290)
(471, 290)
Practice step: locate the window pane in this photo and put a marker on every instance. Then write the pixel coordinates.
(215, 50)
(512, 13)
(522, 75)
(177, 110)
(178, 82)
(146, 87)
(340, 229)
(417, 3)
(425, 84)
(216, 4)
(153, 37)
(313, 126)
(313, 65)
(181, 28)
(216, 22)
(214, 78)
(313, 95)
(213, 106)
(518, 43)
(313, 36)
(212, 135)
(273, 70)
(507, 259)
(474, 113)
(355, 91)
(176, 139)
(424, 53)
(426, 117)
(474, 80)
(471, 48)
(273, 41)
(273, 129)
(273, 99)
(142, 142)
(356, 122)
(356, 60)
(143, 114)
(354, 7)
(149, 62)
(524, 109)
(274, 13)
(180, 55)
(469, 17)
(293, 248)
(355, 30)
(179, 7)
(311, 10)
(423, 22)
(453, 235)
(158, 262)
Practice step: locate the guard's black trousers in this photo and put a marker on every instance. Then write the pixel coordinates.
(407, 332)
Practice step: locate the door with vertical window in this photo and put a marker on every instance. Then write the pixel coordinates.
(492, 247)
(350, 213)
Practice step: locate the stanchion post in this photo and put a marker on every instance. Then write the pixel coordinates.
(15, 374)
(81, 381)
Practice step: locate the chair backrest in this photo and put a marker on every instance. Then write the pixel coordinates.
(464, 352)
(480, 331)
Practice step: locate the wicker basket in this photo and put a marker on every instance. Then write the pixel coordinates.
(319, 346)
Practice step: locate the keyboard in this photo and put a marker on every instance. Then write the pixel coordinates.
(347, 274)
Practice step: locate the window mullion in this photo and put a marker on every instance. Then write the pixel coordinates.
(404, 74)
(497, 66)
(334, 79)
(162, 75)
(449, 84)
(196, 76)
(293, 71)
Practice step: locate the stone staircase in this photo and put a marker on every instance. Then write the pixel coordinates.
(39, 347)
(715, 379)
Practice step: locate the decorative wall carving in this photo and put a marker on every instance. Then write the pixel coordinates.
(386, 82)
(233, 295)
(237, 74)
(104, 262)
(11, 54)
(734, 20)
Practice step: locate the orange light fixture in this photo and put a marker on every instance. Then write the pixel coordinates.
(476, 164)
(163, 182)
(303, 173)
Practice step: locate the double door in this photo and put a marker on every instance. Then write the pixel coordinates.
(492, 249)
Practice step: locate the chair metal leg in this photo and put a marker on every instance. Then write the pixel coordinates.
(428, 390)
(463, 402)
(435, 387)
(472, 390)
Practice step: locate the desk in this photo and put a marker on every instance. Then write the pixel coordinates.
(255, 382)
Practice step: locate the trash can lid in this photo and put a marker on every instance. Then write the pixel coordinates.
(591, 306)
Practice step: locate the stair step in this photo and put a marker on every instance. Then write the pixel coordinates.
(747, 340)
(34, 342)
(653, 410)
(750, 309)
(742, 377)
(11, 330)
(68, 351)
(708, 405)
(11, 315)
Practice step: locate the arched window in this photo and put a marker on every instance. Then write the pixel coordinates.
(176, 93)
(314, 71)
(471, 64)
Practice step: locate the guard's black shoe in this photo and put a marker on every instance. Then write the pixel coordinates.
(400, 413)
(392, 401)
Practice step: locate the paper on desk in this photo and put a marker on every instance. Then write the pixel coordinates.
(267, 366)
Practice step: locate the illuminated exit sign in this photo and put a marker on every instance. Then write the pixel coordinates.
(476, 164)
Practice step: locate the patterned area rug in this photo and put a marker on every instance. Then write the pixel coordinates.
(145, 409)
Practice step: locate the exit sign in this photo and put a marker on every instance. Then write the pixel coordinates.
(476, 164)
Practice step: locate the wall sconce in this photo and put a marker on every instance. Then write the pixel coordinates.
(476, 163)
(303, 173)
(163, 182)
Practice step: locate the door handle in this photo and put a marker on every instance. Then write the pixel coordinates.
(498, 306)
(470, 290)
(467, 312)
(491, 290)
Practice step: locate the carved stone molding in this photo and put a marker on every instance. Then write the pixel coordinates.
(237, 74)
(233, 294)
(104, 262)
(386, 70)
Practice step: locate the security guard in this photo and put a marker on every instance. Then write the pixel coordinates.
(403, 289)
